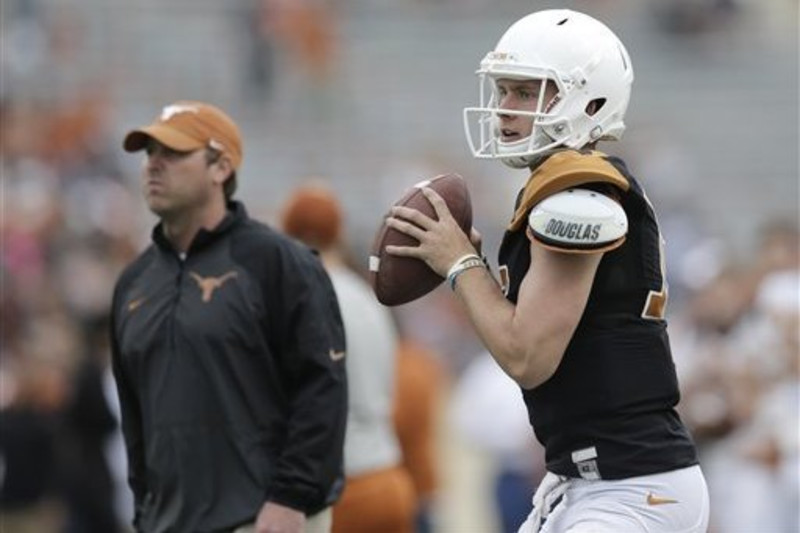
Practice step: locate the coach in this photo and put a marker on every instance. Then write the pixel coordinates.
(228, 349)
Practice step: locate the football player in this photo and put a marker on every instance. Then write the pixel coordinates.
(578, 317)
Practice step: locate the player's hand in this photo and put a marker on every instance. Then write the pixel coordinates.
(476, 239)
(441, 242)
(276, 518)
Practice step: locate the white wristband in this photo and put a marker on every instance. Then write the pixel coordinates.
(458, 263)
(465, 263)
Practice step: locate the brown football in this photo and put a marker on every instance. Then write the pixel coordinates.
(399, 280)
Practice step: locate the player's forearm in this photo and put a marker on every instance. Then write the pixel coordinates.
(527, 356)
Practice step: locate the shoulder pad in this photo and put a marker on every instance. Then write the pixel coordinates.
(563, 170)
(578, 220)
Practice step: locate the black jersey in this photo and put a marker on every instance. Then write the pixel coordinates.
(609, 409)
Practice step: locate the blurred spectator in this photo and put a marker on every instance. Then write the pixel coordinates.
(490, 414)
(738, 350)
(35, 389)
(307, 29)
(437, 321)
(694, 16)
(761, 445)
(778, 248)
(28, 445)
(379, 494)
(304, 35)
(258, 49)
(67, 229)
(421, 385)
(116, 457)
(88, 426)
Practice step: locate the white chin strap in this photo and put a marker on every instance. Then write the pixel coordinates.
(508, 150)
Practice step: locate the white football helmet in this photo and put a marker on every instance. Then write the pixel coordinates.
(587, 63)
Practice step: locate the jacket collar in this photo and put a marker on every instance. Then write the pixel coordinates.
(235, 215)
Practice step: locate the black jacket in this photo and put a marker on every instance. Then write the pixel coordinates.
(230, 377)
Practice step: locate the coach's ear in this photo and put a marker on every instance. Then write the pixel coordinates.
(222, 168)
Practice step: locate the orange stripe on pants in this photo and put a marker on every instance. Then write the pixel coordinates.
(376, 502)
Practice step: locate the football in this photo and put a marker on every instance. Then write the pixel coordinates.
(399, 280)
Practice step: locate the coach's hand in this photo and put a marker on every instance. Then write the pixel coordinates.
(276, 518)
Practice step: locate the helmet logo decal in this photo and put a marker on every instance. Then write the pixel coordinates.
(552, 103)
(500, 56)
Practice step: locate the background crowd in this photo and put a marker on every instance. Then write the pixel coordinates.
(366, 97)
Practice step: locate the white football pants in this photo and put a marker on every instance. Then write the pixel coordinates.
(669, 502)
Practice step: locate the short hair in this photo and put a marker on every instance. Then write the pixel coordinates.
(229, 187)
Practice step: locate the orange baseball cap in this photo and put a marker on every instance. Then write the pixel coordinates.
(187, 125)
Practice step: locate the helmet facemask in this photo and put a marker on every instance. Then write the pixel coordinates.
(483, 124)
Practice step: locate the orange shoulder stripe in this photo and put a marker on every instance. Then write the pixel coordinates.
(561, 171)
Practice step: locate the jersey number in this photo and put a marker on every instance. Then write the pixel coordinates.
(655, 307)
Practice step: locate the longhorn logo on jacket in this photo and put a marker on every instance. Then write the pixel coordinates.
(211, 283)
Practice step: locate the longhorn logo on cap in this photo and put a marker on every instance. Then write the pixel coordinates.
(171, 110)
